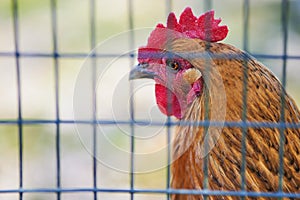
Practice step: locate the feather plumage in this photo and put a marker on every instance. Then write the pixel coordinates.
(224, 160)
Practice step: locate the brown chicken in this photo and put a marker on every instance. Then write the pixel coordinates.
(200, 80)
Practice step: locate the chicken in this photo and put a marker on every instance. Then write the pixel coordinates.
(197, 79)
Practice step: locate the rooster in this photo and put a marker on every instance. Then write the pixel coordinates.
(197, 79)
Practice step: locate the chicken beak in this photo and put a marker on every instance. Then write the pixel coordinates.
(141, 71)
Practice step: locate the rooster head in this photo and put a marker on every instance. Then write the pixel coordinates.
(177, 82)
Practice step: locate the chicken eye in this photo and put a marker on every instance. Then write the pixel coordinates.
(173, 65)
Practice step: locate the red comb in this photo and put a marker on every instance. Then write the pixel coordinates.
(206, 28)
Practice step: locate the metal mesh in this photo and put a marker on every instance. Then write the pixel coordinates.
(132, 192)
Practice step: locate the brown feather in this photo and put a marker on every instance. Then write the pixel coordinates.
(262, 144)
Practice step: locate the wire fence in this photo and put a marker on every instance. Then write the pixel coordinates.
(133, 191)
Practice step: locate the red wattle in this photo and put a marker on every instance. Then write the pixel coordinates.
(167, 101)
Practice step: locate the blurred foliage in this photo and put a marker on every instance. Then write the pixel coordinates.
(37, 138)
(295, 15)
(27, 6)
(8, 137)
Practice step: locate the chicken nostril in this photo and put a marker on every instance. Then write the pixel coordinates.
(143, 65)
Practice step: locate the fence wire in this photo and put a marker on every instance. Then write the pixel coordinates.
(58, 121)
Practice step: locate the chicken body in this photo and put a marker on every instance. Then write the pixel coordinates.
(198, 79)
(224, 160)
